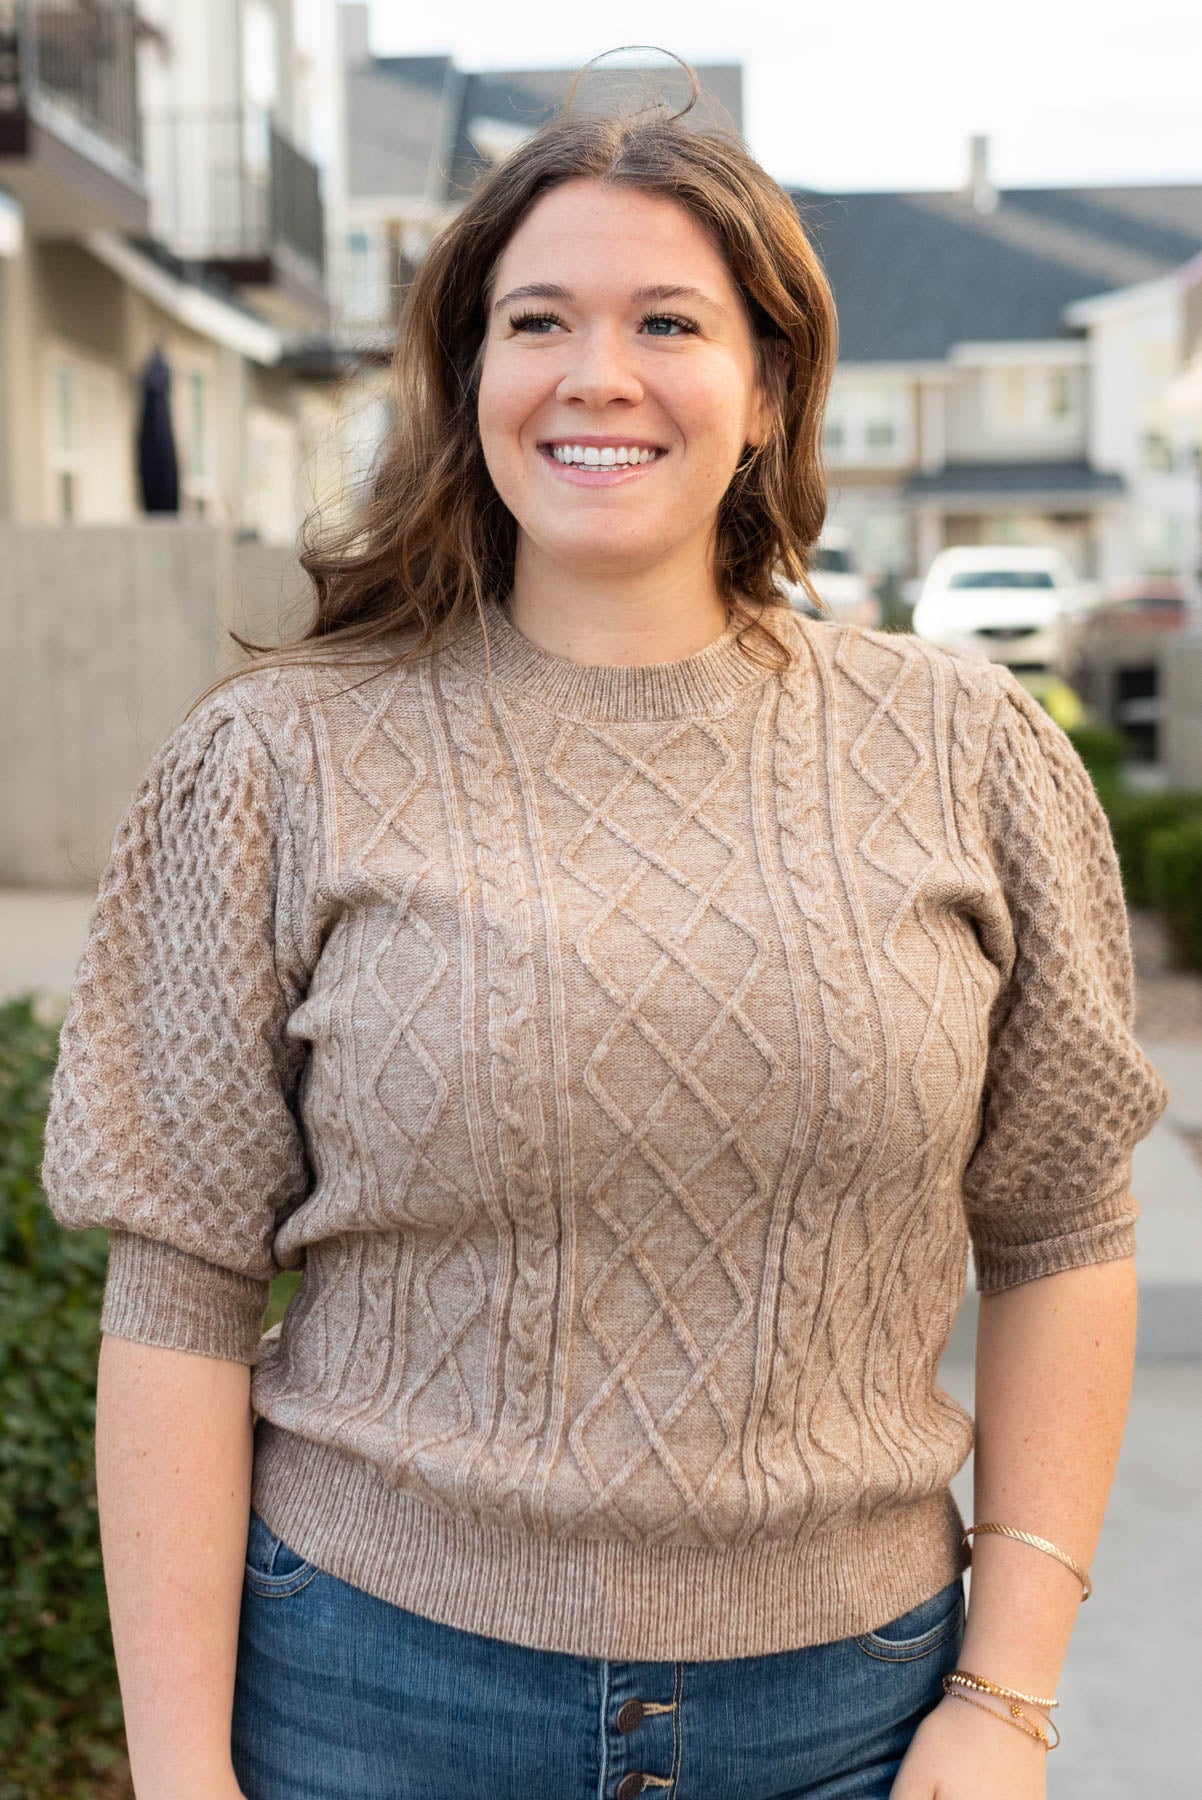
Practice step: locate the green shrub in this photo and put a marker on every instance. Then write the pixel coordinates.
(61, 1734)
(1133, 820)
(1102, 751)
(1174, 863)
(60, 1711)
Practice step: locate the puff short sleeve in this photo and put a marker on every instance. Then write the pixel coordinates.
(1068, 1091)
(172, 1119)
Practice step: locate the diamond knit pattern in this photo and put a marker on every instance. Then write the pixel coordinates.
(628, 1058)
(665, 877)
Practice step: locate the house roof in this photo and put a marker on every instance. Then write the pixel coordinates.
(1050, 480)
(913, 274)
(418, 126)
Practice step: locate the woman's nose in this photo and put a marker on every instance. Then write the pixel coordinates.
(600, 368)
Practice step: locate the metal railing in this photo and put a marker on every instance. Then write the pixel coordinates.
(80, 56)
(229, 186)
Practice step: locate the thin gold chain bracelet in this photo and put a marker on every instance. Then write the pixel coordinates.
(1036, 1543)
(1018, 1718)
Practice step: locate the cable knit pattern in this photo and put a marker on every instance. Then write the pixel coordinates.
(628, 1057)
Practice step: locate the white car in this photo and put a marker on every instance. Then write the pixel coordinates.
(843, 589)
(1018, 605)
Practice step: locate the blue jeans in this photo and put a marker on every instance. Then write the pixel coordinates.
(341, 1696)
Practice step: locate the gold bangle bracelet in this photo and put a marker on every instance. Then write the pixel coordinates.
(964, 1678)
(1018, 1718)
(1036, 1543)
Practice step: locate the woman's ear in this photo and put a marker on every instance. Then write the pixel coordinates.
(770, 390)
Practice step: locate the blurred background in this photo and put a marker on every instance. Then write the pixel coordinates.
(210, 212)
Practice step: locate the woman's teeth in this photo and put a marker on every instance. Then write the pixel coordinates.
(588, 456)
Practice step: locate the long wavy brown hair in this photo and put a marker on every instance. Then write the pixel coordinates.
(432, 539)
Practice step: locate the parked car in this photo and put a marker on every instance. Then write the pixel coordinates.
(1143, 603)
(1018, 605)
(842, 587)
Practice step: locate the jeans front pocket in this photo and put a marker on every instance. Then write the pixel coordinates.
(924, 1628)
(272, 1568)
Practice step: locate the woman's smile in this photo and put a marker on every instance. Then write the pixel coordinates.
(600, 462)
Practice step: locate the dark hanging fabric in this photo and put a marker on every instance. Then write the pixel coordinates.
(158, 471)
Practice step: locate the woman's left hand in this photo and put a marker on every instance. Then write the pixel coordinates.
(958, 1754)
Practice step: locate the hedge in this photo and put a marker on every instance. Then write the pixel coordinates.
(1174, 866)
(61, 1734)
(1134, 818)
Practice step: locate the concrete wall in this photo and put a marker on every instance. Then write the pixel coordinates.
(108, 633)
(1181, 730)
(1177, 660)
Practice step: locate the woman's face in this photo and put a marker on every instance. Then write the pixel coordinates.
(619, 381)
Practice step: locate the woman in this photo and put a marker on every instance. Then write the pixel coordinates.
(624, 1002)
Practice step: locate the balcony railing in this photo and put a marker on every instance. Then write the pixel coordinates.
(76, 61)
(231, 190)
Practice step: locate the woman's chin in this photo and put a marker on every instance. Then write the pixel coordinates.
(595, 553)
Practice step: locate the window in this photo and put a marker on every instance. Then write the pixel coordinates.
(1007, 578)
(1059, 394)
(1158, 452)
(366, 273)
(830, 560)
(260, 54)
(1012, 398)
(89, 469)
(198, 483)
(64, 452)
(198, 424)
(1024, 400)
(869, 421)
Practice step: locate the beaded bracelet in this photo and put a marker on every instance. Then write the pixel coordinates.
(962, 1678)
(1037, 1543)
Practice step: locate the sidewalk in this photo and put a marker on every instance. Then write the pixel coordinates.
(1128, 1710)
(41, 934)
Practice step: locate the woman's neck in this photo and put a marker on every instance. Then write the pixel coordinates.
(653, 616)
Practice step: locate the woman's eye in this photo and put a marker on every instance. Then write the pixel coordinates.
(529, 322)
(670, 319)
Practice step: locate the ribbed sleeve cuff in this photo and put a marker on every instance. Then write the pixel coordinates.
(1000, 1266)
(157, 1294)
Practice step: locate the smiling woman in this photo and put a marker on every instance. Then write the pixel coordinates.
(611, 431)
(625, 1003)
(623, 282)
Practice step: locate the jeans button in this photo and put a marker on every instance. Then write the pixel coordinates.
(630, 1717)
(629, 1786)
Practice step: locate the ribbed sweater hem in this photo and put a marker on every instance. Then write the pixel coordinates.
(599, 1597)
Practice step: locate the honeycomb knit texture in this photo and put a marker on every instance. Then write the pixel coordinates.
(628, 1056)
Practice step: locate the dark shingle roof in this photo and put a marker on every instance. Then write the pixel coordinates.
(410, 118)
(914, 274)
(1048, 479)
(397, 111)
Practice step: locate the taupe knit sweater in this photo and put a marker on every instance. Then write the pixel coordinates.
(627, 1059)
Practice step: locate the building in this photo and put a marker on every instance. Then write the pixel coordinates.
(158, 192)
(1004, 356)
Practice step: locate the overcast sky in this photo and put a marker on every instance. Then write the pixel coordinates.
(873, 94)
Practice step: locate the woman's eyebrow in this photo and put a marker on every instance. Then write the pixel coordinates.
(550, 290)
(678, 293)
(533, 290)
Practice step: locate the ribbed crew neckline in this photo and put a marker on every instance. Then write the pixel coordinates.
(707, 681)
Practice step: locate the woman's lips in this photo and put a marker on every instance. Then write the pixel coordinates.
(599, 477)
